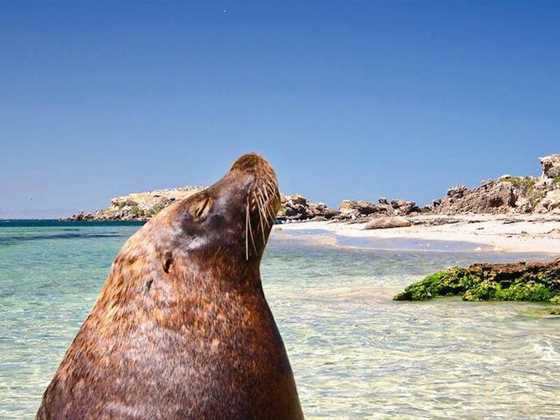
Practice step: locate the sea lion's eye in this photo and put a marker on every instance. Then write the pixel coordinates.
(201, 208)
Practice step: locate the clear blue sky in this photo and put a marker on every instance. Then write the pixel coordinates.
(347, 99)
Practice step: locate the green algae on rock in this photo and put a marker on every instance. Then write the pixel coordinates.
(523, 281)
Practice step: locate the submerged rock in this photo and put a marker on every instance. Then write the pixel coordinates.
(523, 281)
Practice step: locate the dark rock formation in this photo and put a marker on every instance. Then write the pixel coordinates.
(297, 208)
(523, 281)
(362, 210)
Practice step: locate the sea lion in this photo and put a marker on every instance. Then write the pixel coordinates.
(182, 329)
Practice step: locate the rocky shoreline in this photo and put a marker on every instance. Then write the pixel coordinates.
(507, 195)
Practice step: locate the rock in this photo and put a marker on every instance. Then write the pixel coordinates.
(361, 210)
(550, 203)
(534, 282)
(457, 192)
(508, 195)
(297, 199)
(550, 166)
(404, 207)
(357, 207)
(554, 233)
(387, 223)
(82, 217)
(297, 208)
(139, 206)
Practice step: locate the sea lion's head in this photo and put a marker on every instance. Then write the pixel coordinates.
(232, 219)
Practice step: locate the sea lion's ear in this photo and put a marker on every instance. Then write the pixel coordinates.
(199, 210)
(166, 261)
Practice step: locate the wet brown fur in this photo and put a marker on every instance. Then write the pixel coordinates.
(181, 329)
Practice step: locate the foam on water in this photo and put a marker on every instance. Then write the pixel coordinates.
(355, 353)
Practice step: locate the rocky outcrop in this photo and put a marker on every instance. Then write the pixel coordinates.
(138, 206)
(550, 166)
(492, 197)
(362, 210)
(297, 208)
(534, 282)
(550, 203)
(507, 194)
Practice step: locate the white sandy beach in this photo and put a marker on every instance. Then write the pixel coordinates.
(530, 233)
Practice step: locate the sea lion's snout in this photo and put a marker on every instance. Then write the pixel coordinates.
(262, 200)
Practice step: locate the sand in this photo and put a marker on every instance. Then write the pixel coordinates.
(519, 233)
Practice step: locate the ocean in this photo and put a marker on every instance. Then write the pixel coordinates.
(354, 351)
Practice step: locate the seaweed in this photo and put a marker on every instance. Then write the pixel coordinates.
(527, 282)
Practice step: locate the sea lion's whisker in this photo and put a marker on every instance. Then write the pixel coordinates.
(247, 231)
(261, 219)
(262, 201)
(266, 206)
(264, 192)
(252, 238)
(266, 196)
(270, 208)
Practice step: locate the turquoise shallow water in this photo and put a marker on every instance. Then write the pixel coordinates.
(355, 352)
